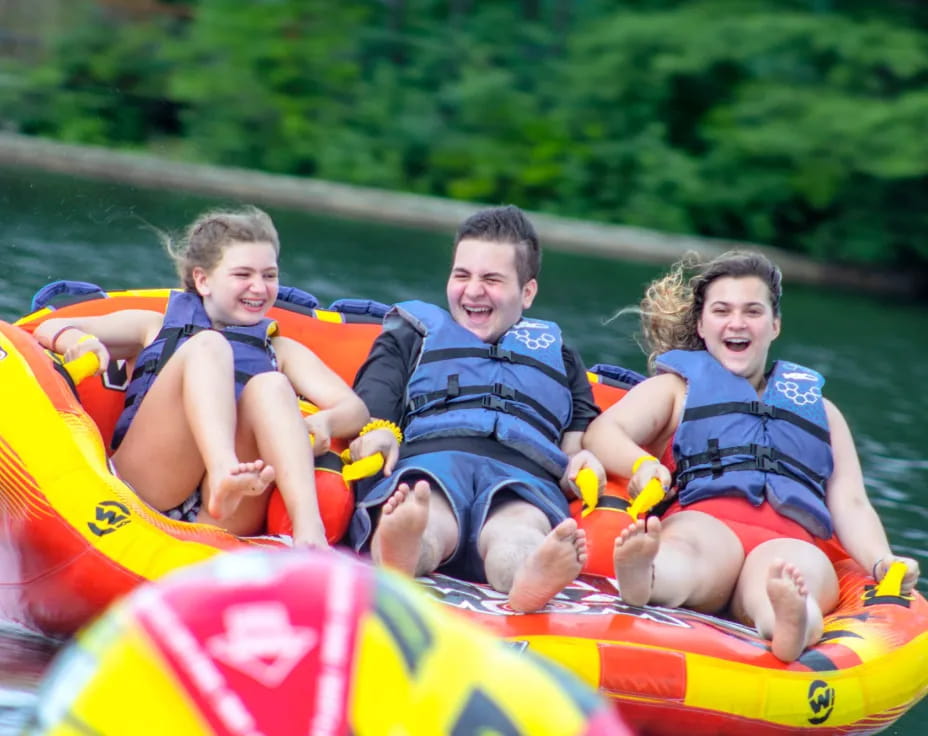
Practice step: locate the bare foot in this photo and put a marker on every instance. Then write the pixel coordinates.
(225, 490)
(398, 536)
(313, 536)
(633, 558)
(555, 563)
(788, 595)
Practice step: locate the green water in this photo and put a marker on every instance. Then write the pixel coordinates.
(872, 350)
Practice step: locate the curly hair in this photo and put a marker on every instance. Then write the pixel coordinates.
(205, 239)
(673, 303)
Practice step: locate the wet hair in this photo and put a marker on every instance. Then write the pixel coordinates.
(205, 239)
(507, 224)
(672, 304)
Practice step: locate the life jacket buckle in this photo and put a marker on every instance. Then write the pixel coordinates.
(497, 353)
(494, 403)
(504, 391)
(765, 460)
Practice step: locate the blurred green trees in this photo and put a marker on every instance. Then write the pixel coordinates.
(796, 123)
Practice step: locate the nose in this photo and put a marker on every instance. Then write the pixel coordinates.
(737, 319)
(473, 287)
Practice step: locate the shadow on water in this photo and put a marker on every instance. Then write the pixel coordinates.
(54, 227)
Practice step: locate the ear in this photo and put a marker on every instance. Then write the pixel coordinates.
(529, 290)
(200, 280)
(699, 328)
(776, 327)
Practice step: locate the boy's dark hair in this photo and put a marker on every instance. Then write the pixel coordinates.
(507, 224)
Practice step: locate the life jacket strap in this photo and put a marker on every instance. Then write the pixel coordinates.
(759, 409)
(496, 403)
(493, 352)
(762, 458)
(454, 390)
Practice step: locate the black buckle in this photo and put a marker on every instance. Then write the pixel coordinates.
(504, 391)
(766, 462)
(494, 403)
(760, 409)
(189, 330)
(498, 353)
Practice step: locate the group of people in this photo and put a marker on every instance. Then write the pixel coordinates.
(485, 417)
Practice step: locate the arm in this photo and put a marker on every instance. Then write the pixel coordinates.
(341, 413)
(857, 525)
(381, 383)
(120, 335)
(646, 417)
(584, 411)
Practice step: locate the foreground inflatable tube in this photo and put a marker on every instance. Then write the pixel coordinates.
(80, 538)
(301, 642)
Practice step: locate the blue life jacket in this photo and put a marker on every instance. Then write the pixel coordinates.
(730, 443)
(515, 390)
(185, 316)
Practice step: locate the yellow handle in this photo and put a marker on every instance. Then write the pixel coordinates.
(651, 495)
(307, 407)
(891, 584)
(82, 367)
(588, 485)
(363, 468)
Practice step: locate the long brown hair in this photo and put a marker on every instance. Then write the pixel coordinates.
(673, 303)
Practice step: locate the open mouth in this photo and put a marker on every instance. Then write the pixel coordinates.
(253, 303)
(478, 314)
(737, 344)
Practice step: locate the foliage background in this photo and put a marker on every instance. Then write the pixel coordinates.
(797, 123)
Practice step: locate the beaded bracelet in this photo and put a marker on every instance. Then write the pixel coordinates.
(58, 334)
(382, 424)
(641, 460)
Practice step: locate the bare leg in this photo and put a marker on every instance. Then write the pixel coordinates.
(551, 566)
(271, 426)
(417, 530)
(524, 557)
(789, 599)
(398, 539)
(198, 440)
(785, 600)
(244, 479)
(689, 559)
(633, 557)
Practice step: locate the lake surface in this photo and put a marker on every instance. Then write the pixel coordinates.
(871, 349)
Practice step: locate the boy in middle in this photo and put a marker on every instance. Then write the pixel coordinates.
(479, 414)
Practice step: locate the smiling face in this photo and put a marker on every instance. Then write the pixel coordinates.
(737, 324)
(242, 287)
(484, 294)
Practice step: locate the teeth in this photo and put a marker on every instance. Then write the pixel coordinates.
(252, 302)
(480, 310)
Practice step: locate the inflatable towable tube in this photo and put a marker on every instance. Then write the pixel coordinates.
(304, 642)
(671, 671)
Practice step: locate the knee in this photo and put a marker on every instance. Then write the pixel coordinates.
(271, 386)
(208, 345)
